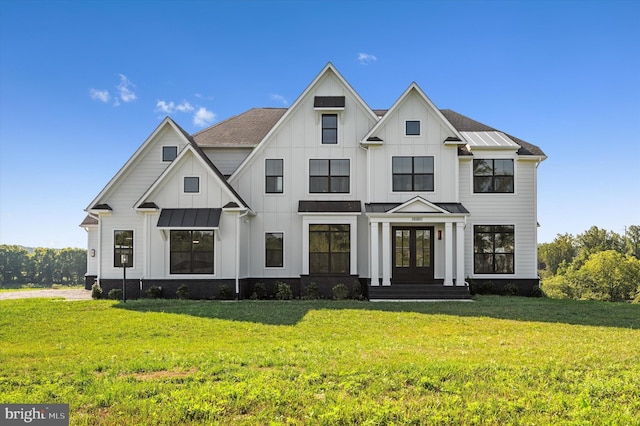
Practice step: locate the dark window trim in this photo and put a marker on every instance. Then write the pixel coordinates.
(325, 136)
(168, 156)
(494, 252)
(413, 174)
(329, 176)
(493, 177)
(273, 178)
(120, 249)
(406, 127)
(331, 249)
(185, 185)
(274, 256)
(192, 250)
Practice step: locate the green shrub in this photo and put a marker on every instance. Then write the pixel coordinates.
(283, 291)
(482, 287)
(260, 291)
(115, 294)
(154, 292)
(340, 292)
(357, 290)
(96, 291)
(510, 289)
(311, 291)
(224, 292)
(537, 292)
(183, 292)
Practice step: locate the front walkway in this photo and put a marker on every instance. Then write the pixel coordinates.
(73, 294)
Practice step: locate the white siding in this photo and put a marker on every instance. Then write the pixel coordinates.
(518, 209)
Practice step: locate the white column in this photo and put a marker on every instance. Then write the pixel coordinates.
(373, 260)
(386, 254)
(448, 253)
(460, 253)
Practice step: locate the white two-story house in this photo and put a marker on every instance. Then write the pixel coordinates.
(410, 202)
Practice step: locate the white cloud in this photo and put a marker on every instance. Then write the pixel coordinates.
(203, 117)
(124, 89)
(366, 58)
(100, 95)
(170, 107)
(184, 107)
(280, 99)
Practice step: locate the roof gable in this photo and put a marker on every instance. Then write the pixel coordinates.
(417, 205)
(190, 150)
(411, 90)
(329, 69)
(167, 122)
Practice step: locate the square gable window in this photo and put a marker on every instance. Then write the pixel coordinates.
(169, 153)
(191, 184)
(412, 128)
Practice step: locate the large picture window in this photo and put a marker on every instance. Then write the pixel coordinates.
(274, 249)
(329, 128)
(329, 249)
(493, 176)
(493, 249)
(412, 174)
(328, 176)
(274, 175)
(122, 244)
(191, 252)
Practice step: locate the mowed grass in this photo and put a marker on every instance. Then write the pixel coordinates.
(498, 360)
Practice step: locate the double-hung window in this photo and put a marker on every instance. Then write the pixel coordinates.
(329, 176)
(493, 249)
(274, 176)
(493, 176)
(329, 128)
(123, 245)
(191, 252)
(412, 174)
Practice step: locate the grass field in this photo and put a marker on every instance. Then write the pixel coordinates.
(498, 360)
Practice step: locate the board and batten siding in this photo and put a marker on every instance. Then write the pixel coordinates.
(296, 140)
(518, 209)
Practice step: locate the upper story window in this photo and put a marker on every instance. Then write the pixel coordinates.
(412, 174)
(274, 176)
(329, 128)
(412, 128)
(493, 249)
(493, 176)
(123, 249)
(169, 153)
(328, 176)
(191, 184)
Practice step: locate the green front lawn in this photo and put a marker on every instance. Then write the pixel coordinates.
(499, 360)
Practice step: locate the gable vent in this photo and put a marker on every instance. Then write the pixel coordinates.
(328, 102)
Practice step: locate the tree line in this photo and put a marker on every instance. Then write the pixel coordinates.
(597, 265)
(42, 266)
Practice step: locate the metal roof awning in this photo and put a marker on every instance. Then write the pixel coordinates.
(189, 218)
(489, 140)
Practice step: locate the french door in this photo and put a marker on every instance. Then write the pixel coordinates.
(412, 254)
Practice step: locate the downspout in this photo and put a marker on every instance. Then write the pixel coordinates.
(240, 216)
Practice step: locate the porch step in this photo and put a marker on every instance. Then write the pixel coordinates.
(418, 292)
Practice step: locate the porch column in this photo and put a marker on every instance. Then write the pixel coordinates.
(460, 253)
(448, 253)
(373, 262)
(386, 254)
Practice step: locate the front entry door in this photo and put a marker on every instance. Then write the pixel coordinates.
(412, 254)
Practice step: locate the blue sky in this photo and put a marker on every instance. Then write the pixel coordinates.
(83, 83)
